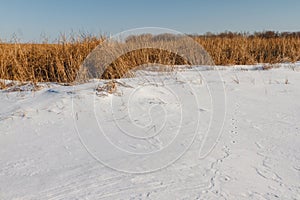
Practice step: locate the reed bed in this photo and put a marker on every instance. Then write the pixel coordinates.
(60, 61)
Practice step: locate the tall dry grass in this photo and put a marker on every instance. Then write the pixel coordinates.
(59, 62)
(45, 62)
(242, 50)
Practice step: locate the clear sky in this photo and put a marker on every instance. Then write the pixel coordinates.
(29, 19)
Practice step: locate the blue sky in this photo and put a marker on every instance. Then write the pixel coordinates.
(29, 19)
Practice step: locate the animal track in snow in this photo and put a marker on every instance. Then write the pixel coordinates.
(234, 123)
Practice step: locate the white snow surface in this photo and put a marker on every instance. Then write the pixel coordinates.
(53, 142)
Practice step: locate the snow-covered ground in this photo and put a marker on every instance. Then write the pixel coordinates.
(156, 137)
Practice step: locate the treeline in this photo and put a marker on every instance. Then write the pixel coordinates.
(264, 34)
